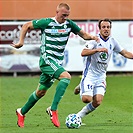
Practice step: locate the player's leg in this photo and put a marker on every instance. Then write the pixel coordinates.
(60, 90)
(91, 106)
(57, 72)
(28, 105)
(86, 94)
(41, 90)
(34, 97)
(97, 100)
(64, 80)
(45, 83)
(77, 90)
(86, 98)
(98, 93)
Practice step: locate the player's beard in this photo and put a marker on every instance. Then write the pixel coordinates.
(106, 35)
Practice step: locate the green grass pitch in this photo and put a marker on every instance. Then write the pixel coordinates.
(114, 115)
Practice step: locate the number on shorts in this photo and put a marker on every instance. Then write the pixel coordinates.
(90, 86)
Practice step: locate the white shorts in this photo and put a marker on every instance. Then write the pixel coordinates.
(92, 87)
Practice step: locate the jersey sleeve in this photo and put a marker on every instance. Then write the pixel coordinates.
(118, 48)
(74, 27)
(90, 44)
(40, 23)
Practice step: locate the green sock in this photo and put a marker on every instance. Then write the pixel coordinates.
(60, 90)
(30, 103)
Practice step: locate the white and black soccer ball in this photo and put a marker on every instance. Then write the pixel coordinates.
(73, 121)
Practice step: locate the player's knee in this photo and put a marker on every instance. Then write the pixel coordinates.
(86, 99)
(65, 75)
(40, 93)
(97, 102)
(41, 90)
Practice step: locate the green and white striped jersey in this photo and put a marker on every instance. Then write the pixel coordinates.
(54, 37)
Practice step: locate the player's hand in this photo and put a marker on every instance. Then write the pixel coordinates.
(102, 50)
(17, 45)
(96, 38)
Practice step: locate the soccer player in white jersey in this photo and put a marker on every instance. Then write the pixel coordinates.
(55, 32)
(93, 83)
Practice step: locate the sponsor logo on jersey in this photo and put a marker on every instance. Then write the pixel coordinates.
(103, 56)
(54, 31)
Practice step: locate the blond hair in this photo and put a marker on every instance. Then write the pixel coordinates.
(63, 5)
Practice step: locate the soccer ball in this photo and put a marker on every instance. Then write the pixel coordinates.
(73, 121)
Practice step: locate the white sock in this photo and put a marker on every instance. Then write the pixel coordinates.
(90, 107)
(19, 111)
(83, 112)
(86, 110)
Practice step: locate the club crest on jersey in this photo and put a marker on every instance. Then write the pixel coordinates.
(103, 56)
(65, 26)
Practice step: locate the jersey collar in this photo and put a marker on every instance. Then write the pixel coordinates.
(58, 22)
(104, 39)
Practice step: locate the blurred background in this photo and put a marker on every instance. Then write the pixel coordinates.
(85, 13)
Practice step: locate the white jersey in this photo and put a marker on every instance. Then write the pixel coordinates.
(96, 64)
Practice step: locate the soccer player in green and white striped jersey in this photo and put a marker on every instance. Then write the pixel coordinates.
(54, 36)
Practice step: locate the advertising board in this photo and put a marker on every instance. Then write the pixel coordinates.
(27, 58)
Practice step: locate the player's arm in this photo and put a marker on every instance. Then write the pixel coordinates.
(87, 52)
(23, 32)
(127, 54)
(87, 36)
